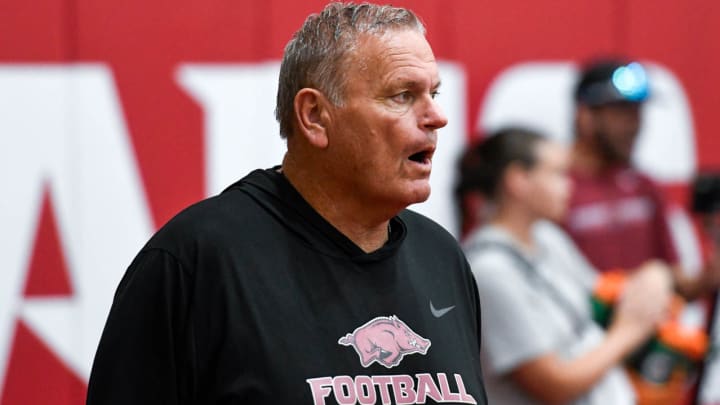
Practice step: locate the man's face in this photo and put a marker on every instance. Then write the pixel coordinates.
(382, 138)
(615, 127)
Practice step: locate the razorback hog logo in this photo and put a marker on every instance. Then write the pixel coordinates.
(385, 339)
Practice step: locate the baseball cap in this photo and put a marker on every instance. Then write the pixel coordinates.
(612, 81)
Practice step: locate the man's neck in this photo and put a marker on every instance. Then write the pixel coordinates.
(585, 160)
(340, 208)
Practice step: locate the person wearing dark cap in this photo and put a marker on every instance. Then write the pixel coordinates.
(617, 214)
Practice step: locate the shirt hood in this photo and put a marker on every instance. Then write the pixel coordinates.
(272, 190)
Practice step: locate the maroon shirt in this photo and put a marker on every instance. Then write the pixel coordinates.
(617, 219)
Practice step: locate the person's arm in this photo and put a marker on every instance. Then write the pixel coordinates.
(554, 380)
(142, 355)
(696, 286)
(689, 286)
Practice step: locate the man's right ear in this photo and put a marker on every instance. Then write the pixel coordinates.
(310, 107)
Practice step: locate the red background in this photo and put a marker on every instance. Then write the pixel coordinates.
(145, 41)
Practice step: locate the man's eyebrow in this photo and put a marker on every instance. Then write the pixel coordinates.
(414, 84)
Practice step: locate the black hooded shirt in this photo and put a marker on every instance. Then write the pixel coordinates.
(251, 297)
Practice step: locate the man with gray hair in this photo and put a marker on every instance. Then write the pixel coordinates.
(310, 283)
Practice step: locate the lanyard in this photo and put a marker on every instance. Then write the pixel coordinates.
(578, 321)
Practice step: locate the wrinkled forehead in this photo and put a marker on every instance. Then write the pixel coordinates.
(393, 50)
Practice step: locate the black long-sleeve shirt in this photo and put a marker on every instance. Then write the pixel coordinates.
(251, 297)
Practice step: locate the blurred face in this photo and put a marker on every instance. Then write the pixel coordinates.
(382, 138)
(549, 190)
(615, 128)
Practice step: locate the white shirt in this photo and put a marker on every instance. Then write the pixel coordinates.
(524, 318)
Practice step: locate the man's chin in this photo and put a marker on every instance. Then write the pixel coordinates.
(623, 160)
(419, 195)
(617, 159)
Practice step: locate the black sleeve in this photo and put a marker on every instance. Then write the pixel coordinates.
(478, 313)
(145, 353)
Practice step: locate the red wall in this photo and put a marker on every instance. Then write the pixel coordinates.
(144, 41)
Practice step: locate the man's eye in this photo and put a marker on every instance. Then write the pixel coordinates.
(402, 98)
(434, 94)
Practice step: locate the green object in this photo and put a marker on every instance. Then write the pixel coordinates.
(655, 361)
(601, 312)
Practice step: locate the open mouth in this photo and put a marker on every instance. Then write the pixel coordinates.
(421, 157)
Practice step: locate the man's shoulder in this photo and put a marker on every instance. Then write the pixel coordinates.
(641, 178)
(609, 184)
(209, 213)
(230, 214)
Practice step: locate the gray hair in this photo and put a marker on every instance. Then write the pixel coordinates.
(317, 54)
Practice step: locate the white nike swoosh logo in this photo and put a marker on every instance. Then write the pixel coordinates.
(437, 313)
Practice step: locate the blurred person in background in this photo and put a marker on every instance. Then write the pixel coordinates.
(540, 343)
(309, 282)
(617, 215)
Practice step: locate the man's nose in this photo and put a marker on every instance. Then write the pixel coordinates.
(433, 117)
